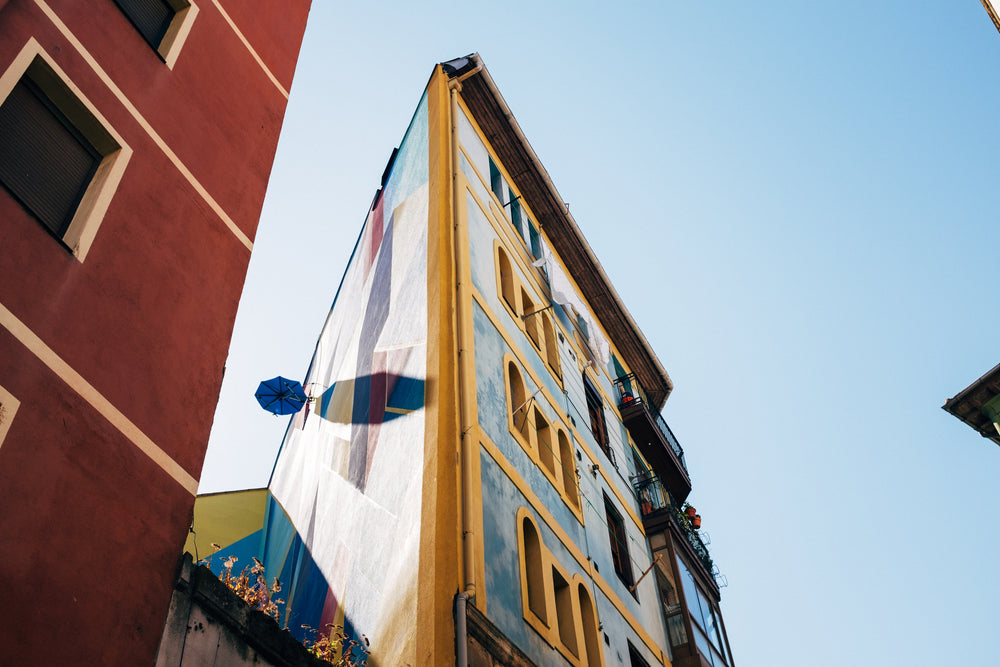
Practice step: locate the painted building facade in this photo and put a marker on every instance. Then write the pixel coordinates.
(482, 475)
(136, 142)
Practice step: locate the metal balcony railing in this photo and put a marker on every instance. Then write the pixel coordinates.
(654, 498)
(630, 394)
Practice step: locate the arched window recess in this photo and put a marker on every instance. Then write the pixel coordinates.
(524, 406)
(538, 310)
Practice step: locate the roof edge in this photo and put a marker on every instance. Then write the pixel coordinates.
(472, 67)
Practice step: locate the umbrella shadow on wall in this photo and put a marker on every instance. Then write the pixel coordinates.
(366, 403)
(370, 399)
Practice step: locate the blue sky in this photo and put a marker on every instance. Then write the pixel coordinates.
(797, 203)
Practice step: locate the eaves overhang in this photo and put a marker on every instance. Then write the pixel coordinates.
(968, 404)
(481, 96)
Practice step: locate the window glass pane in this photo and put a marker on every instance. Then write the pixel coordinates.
(536, 243)
(595, 408)
(516, 215)
(676, 631)
(701, 641)
(496, 181)
(619, 543)
(619, 369)
(708, 619)
(690, 591)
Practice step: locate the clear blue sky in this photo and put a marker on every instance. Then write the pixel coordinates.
(797, 203)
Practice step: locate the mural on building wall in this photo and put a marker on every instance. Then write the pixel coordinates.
(358, 444)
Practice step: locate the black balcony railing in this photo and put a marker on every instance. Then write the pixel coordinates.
(653, 498)
(630, 394)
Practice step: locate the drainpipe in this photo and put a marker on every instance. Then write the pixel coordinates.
(465, 376)
(461, 631)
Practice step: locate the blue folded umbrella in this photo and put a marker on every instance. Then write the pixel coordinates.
(281, 396)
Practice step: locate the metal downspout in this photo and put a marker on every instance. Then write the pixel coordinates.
(464, 377)
(461, 630)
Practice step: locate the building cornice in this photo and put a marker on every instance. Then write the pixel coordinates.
(968, 404)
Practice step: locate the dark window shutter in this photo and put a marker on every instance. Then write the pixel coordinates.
(150, 17)
(44, 162)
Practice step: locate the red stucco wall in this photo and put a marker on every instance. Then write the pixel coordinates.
(91, 528)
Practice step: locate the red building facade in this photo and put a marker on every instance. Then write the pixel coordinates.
(136, 141)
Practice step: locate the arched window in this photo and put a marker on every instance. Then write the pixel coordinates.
(564, 612)
(588, 616)
(518, 400)
(568, 469)
(546, 446)
(534, 569)
(551, 347)
(530, 321)
(507, 281)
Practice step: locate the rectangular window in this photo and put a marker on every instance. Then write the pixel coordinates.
(496, 181)
(164, 24)
(706, 634)
(634, 659)
(675, 629)
(619, 543)
(150, 17)
(595, 406)
(517, 215)
(58, 157)
(536, 241)
(47, 164)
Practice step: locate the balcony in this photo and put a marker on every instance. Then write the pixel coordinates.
(653, 437)
(661, 513)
